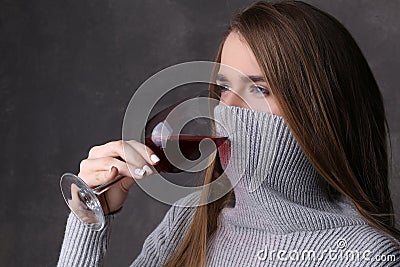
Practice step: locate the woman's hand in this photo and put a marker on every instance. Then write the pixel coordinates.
(105, 162)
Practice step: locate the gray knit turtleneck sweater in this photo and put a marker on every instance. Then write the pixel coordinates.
(282, 215)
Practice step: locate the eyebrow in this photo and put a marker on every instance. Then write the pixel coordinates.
(253, 78)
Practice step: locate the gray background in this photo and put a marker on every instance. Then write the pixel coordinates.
(67, 72)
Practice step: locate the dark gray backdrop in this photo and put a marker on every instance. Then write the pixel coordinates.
(67, 72)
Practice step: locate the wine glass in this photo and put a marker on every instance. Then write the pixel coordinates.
(182, 135)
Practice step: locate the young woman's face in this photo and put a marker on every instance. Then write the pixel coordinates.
(238, 90)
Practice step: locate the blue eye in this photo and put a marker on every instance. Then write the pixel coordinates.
(223, 87)
(259, 90)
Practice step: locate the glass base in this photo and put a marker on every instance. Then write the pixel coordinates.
(82, 201)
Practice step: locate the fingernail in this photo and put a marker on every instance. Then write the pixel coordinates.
(110, 170)
(147, 169)
(154, 158)
(139, 172)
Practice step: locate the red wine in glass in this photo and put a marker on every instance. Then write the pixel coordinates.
(188, 149)
(182, 135)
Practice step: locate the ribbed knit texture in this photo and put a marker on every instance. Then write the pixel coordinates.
(281, 212)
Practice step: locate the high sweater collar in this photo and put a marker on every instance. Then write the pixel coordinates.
(276, 187)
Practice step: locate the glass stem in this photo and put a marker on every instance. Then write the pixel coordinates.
(104, 187)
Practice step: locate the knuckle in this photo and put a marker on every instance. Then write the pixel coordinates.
(117, 145)
(82, 165)
(92, 151)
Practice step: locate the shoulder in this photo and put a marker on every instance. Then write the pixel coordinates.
(373, 247)
(378, 244)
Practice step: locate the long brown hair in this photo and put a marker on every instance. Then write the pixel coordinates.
(332, 104)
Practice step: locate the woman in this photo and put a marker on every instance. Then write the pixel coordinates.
(323, 198)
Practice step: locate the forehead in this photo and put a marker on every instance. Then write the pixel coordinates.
(237, 54)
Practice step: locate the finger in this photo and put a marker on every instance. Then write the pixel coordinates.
(105, 164)
(97, 171)
(110, 149)
(103, 177)
(143, 151)
(111, 175)
(131, 151)
(133, 156)
(125, 182)
(121, 148)
(113, 172)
